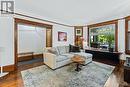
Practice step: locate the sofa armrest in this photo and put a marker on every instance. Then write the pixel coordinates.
(50, 59)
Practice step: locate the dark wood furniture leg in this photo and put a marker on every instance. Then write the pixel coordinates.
(77, 67)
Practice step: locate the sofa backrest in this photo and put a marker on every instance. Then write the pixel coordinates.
(61, 49)
(57, 50)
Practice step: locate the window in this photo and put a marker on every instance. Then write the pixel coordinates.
(104, 36)
(128, 35)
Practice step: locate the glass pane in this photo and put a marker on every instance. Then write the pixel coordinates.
(103, 36)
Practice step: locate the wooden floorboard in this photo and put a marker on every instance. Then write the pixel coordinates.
(14, 79)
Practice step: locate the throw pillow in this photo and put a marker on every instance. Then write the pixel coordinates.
(73, 48)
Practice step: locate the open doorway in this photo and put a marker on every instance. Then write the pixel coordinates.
(30, 39)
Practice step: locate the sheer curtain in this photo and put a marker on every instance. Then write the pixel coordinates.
(31, 39)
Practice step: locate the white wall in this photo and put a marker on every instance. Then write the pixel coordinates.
(31, 39)
(121, 35)
(7, 40)
(121, 38)
(85, 33)
(85, 36)
(68, 30)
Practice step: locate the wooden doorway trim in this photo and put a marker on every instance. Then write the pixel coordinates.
(23, 21)
(107, 23)
(48, 44)
(127, 19)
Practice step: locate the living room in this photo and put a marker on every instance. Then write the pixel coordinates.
(65, 43)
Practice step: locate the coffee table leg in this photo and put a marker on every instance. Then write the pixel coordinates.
(77, 67)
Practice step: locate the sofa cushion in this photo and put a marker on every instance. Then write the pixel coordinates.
(61, 58)
(61, 49)
(85, 55)
(73, 48)
(69, 55)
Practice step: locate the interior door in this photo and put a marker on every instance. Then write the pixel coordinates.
(48, 37)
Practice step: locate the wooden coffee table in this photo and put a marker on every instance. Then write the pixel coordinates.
(79, 60)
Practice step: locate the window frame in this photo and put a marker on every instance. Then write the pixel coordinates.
(103, 24)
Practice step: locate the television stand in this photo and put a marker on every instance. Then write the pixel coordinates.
(111, 58)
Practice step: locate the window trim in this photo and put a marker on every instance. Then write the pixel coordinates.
(107, 23)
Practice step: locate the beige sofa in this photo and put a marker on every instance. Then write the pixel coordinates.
(56, 57)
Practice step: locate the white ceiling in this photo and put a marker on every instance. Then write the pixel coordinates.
(74, 12)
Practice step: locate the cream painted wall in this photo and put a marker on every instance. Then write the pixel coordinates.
(121, 35)
(68, 30)
(85, 33)
(121, 38)
(7, 40)
(85, 36)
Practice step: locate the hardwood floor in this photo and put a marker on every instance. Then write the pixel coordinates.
(117, 78)
(14, 79)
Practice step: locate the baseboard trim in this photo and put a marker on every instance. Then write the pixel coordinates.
(25, 58)
(8, 68)
(29, 57)
(38, 56)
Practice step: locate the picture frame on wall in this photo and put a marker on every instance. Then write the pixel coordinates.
(62, 36)
(79, 32)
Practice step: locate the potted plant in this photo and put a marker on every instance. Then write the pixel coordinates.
(110, 40)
